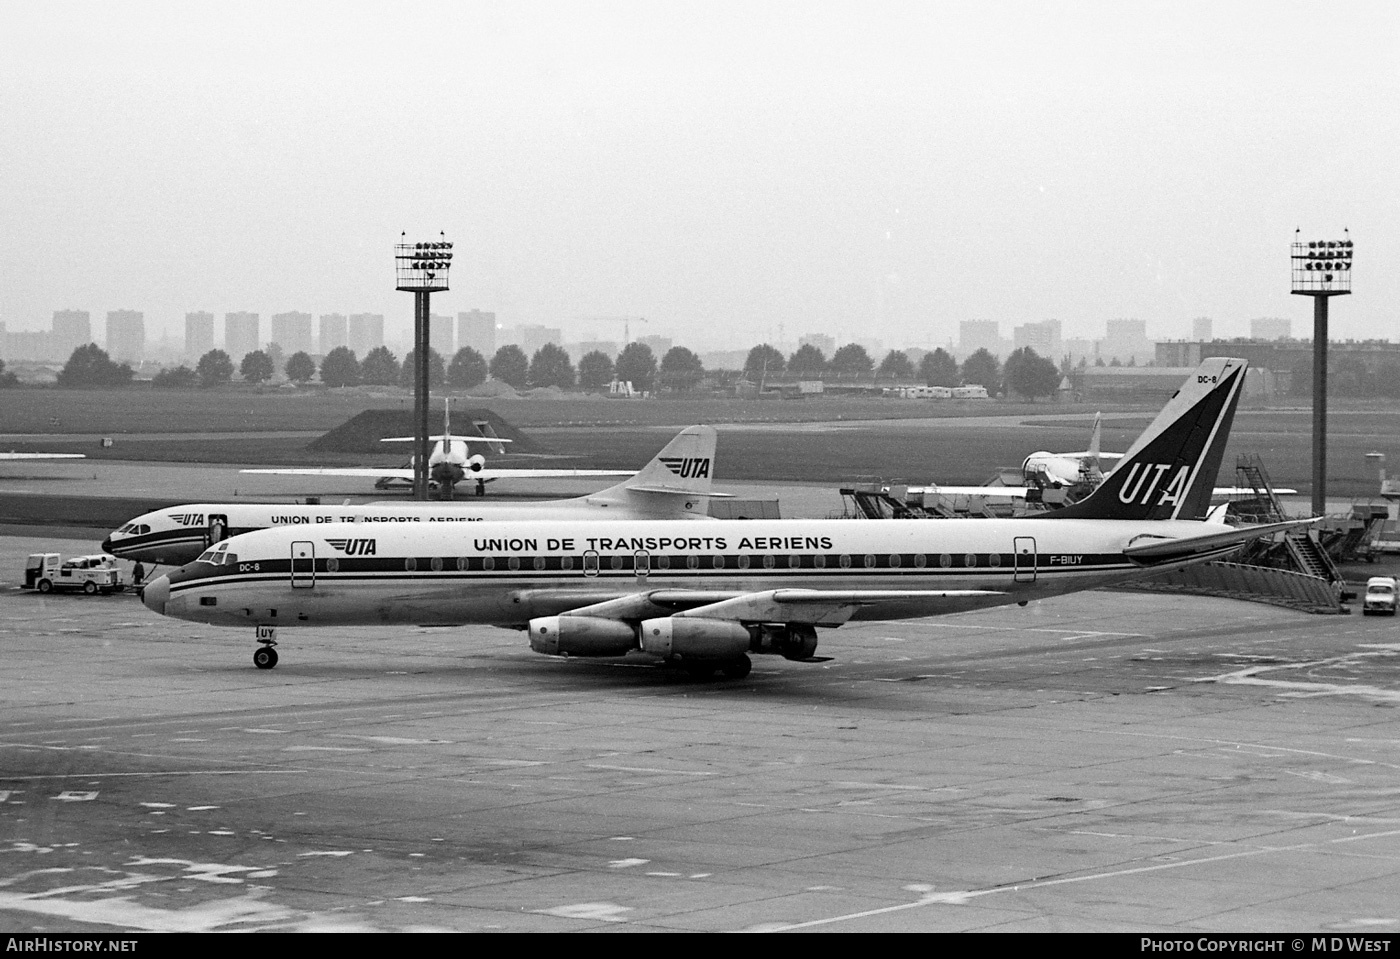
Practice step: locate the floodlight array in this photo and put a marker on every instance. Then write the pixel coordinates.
(423, 266)
(1322, 265)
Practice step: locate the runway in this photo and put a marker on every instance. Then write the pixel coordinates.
(1105, 761)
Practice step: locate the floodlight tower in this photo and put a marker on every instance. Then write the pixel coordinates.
(1321, 270)
(421, 269)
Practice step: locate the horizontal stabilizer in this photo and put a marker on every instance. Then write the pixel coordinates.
(674, 491)
(1150, 549)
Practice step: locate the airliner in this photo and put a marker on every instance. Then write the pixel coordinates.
(1079, 469)
(705, 596)
(674, 485)
(448, 464)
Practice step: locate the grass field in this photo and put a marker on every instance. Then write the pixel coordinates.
(902, 444)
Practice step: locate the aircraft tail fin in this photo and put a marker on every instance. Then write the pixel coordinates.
(677, 480)
(1169, 471)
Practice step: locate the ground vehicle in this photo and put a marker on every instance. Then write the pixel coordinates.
(1380, 596)
(91, 574)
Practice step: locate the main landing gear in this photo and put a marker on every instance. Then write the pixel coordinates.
(732, 668)
(266, 657)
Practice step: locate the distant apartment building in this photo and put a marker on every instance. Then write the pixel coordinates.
(442, 336)
(126, 336)
(827, 344)
(1270, 328)
(578, 351)
(1126, 341)
(477, 329)
(659, 345)
(333, 332)
(199, 334)
(1078, 349)
(531, 336)
(366, 333)
(240, 335)
(1201, 329)
(292, 332)
(974, 335)
(1042, 337)
(29, 345)
(71, 329)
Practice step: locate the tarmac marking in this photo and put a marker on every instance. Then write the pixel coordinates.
(1250, 677)
(962, 897)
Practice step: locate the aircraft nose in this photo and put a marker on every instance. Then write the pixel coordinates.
(107, 545)
(155, 593)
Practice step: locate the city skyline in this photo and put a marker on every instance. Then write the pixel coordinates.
(764, 168)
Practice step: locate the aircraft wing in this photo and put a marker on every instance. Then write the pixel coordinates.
(825, 607)
(42, 456)
(392, 471)
(1150, 549)
(442, 438)
(487, 473)
(990, 492)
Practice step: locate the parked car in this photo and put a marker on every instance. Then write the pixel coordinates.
(47, 572)
(1380, 596)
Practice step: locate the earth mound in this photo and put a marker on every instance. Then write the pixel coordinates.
(362, 433)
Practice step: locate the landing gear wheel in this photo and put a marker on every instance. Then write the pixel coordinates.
(700, 670)
(737, 668)
(265, 658)
(90, 588)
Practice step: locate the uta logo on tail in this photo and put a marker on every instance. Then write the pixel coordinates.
(687, 467)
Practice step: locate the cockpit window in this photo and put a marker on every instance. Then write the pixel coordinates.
(207, 556)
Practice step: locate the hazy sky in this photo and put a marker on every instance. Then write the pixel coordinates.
(726, 170)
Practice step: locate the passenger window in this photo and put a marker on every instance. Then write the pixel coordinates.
(970, 560)
(845, 561)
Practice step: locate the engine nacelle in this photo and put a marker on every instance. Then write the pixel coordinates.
(475, 462)
(695, 638)
(792, 641)
(581, 636)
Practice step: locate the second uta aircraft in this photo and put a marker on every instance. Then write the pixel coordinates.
(705, 596)
(674, 485)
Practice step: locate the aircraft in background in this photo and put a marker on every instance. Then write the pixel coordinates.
(674, 485)
(706, 595)
(1080, 469)
(1069, 469)
(42, 456)
(448, 464)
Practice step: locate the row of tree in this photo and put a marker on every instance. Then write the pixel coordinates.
(1025, 372)
(680, 369)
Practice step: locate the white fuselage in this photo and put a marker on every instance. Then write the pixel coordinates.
(177, 535)
(506, 573)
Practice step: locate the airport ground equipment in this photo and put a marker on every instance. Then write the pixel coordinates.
(48, 572)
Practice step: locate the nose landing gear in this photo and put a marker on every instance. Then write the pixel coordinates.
(266, 657)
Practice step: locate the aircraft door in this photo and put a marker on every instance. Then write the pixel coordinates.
(1025, 559)
(303, 564)
(217, 531)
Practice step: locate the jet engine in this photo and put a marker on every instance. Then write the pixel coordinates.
(791, 641)
(695, 638)
(474, 463)
(581, 636)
